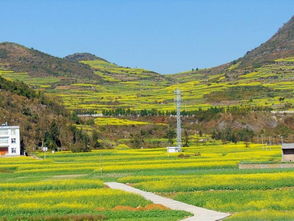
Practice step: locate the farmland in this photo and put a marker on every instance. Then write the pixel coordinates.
(117, 120)
(205, 175)
(270, 85)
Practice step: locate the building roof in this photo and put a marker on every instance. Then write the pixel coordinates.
(9, 127)
(287, 146)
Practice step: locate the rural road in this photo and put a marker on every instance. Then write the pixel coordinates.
(200, 214)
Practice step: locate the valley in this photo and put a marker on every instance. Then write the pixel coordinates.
(86, 121)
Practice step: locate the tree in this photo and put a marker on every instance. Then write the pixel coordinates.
(137, 140)
(186, 138)
(170, 135)
(51, 138)
(75, 118)
(95, 142)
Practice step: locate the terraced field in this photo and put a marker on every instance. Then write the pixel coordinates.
(137, 89)
(205, 175)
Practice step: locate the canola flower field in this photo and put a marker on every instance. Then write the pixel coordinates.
(111, 121)
(70, 186)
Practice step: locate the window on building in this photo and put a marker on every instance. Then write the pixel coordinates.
(3, 140)
(13, 140)
(3, 132)
(13, 150)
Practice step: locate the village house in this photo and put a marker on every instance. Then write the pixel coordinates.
(9, 140)
(288, 152)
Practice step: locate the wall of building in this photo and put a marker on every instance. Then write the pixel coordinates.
(10, 139)
(288, 157)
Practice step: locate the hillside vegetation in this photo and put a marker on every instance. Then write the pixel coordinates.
(42, 121)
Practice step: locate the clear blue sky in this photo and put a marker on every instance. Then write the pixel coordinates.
(166, 36)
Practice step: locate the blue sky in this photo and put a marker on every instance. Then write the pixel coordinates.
(166, 36)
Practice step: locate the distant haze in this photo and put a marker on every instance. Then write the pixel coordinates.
(166, 36)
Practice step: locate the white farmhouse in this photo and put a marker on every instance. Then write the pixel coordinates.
(9, 140)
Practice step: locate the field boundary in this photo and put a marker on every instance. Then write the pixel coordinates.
(265, 166)
(199, 213)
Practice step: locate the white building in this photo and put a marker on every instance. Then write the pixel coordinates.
(174, 149)
(9, 140)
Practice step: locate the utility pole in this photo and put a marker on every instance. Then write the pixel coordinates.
(179, 122)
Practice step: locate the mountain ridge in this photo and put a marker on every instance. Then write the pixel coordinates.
(280, 45)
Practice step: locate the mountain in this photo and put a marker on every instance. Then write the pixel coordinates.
(281, 45)
(22, 59)
(262, 78)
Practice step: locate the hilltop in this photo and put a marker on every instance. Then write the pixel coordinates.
(76, 57)
(38, 64)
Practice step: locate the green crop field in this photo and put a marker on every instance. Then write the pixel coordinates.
(205, 175)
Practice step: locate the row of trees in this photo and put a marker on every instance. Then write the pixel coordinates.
(198, 112)
(234, 136)
(140, 139)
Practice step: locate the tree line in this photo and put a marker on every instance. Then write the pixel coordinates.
(197, 112)
(232, 135)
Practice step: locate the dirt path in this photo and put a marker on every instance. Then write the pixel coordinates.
(200, 214)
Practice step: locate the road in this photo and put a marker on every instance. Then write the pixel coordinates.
(199, 214)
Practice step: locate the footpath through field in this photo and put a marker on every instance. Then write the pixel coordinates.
(200, 214)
